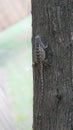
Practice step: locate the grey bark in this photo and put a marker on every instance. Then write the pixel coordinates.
(52, 20)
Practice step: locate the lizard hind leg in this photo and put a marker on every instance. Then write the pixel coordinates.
(45, 62)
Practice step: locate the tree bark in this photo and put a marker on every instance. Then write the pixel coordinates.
(52, 20)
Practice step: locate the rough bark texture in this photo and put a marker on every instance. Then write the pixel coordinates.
(52, 20)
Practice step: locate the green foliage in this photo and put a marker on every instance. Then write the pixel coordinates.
(15, 47)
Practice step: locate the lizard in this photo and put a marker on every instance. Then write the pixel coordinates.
(40, 59)
(40, 53)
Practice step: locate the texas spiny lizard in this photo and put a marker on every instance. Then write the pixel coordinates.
(39, 59)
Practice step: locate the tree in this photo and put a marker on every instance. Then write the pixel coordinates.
(52, 20)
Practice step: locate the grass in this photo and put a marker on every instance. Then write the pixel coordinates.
(15, 53)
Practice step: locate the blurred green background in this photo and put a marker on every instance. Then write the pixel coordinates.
(16, 64)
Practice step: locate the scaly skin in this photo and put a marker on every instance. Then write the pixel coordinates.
(39, 60)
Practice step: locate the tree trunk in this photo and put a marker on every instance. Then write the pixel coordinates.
(52, 20)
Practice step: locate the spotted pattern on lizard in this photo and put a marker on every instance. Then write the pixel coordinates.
(39, 54)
